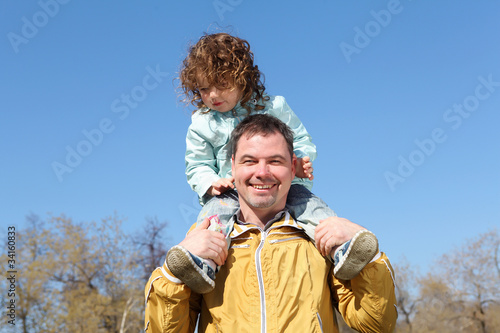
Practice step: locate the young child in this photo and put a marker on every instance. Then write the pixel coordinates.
(219, 77)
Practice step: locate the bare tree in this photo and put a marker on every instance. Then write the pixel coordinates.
(406, 294)
(463, 290)
(152, 246)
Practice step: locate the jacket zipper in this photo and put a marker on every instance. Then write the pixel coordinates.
(283, 240)
(320, 322)
(260, 279)
(243, 246)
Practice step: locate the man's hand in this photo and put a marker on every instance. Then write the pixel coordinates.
(206, 244)
(303, 168)
(334, 231)
(220, 186)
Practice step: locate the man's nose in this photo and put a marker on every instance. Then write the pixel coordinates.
(262, 169)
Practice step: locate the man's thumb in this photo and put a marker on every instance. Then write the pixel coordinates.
(203, 225)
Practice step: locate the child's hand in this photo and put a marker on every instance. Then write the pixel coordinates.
(220, 186)
(303, 168)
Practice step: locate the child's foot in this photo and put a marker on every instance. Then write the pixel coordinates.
(352, 256)
(194, 271)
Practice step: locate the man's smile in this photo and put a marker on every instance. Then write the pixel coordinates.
(261, 187)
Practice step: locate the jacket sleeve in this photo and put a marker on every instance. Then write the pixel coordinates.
(201, 162)
(170, 304)
(302, 141)
(368, 302)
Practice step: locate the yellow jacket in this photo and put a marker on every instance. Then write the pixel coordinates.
(274, 281)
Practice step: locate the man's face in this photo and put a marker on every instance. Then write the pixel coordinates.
(263, 170)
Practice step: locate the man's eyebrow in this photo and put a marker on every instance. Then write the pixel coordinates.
(275, 156)
(245, 156)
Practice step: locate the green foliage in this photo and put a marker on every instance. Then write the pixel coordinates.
(80, 277)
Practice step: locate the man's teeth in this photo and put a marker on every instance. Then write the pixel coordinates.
(261, 187)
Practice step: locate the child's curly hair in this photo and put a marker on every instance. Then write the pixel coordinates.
(225, 62)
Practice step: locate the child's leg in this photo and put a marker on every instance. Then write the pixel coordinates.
(224, 205)
(349, 258)
(307, 209)
(198, 273)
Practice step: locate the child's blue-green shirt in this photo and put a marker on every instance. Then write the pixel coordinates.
(207, 142)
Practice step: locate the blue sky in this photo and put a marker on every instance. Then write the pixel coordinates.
(401, 98)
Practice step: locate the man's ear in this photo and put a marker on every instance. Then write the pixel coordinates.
(232, 165)
(294, 163)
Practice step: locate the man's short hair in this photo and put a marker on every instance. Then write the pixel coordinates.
(261, 124)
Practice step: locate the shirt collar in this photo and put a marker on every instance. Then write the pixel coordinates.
(238, 110)
(278, 216)
(281, 219)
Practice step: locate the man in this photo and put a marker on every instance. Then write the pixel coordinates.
(273, 279)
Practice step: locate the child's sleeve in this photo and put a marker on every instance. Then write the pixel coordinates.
(201, 162)
(302, 141)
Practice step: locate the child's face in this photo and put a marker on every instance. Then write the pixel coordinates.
(222, 100)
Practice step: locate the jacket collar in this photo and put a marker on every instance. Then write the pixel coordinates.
(281, 219)
(238, 110)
